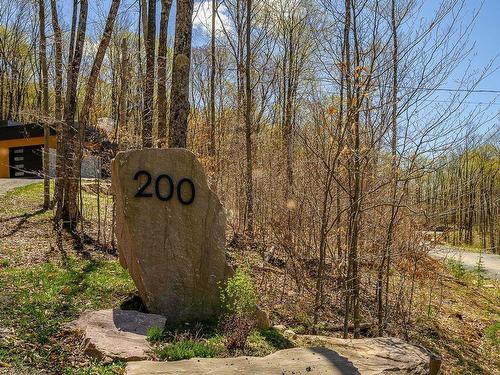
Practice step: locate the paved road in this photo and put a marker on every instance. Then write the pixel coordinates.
(491, 262)
(7, 184)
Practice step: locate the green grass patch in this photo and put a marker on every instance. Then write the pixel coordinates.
(206, 341)
(264, 342)
(99, 369)
(186, 349)
(456, 267)
(155, 334)
(19, 201)
(39, 294)
(45, 296)
(492, 333)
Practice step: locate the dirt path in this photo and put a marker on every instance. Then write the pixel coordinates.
(491, 262)
(7, 184)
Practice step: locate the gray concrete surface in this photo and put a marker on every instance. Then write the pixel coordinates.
(7, 184)
(491, 262)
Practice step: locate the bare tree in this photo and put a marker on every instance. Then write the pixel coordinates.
(249, 228)
(211, 148)
(149, 79)
(124, 78)
(66, 191)
(45, 104)
(162, 74)
(58, 61)
(179, 93)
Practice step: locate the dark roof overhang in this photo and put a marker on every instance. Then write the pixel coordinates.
(15, 130)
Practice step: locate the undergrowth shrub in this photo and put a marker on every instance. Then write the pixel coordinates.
(239, 300)
(239, 296)
(155, 334)
(457, 267)
(236, 329)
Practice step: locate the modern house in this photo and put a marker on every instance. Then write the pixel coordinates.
(21, 149)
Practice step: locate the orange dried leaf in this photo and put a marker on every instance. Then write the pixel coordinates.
(332, 110)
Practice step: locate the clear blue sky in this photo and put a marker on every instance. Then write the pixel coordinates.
(485, 38)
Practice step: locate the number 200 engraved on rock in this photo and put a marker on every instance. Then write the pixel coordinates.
(141, 193)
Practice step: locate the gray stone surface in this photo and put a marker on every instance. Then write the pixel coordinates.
(346, 357)
(174, 252)
(116, 334)
(381, 355)
(296, 361)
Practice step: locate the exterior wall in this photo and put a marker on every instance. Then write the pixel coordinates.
(21, 142)
(89, 166)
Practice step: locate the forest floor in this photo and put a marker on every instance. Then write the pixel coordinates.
(43, 286)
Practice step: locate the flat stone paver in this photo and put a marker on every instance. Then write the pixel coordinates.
(296, 361)
(116, 334)
(374, 356)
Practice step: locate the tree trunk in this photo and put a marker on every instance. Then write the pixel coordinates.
(179, 94)
(74, 17)
(347, 67)
(96, 68)
(124, 73)
(58, 110)
(318, 301)
(211, 149)
(67, 207)
(149, 81)
(491, 216)
(90, 92)
(387, 251)
(162, 74)
(249, 228)
(45, 104)
(143, 9)
(58, 61)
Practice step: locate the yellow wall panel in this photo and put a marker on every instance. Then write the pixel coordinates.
(20, 142)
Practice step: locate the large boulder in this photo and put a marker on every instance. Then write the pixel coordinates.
(170, 230)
